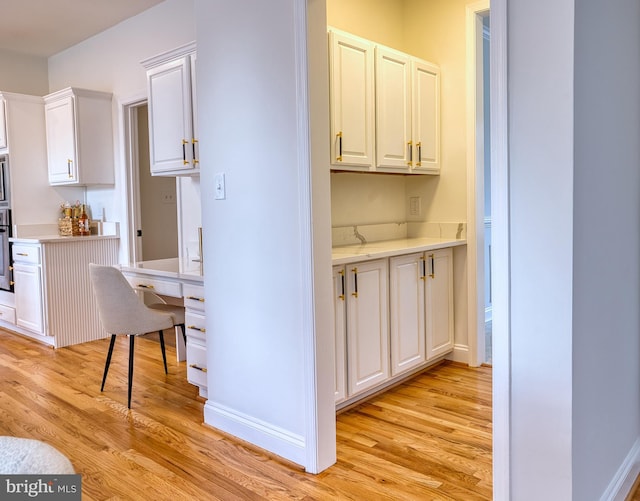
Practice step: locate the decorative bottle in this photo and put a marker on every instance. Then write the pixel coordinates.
(84, 227)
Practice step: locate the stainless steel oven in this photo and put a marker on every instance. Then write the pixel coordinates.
(6, 282)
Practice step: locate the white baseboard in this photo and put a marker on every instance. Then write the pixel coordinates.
(460, 354)
(265, 435)
(623, 481)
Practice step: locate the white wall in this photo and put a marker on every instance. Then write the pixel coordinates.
(606, 246)
(540, 79)
(258, 276)
(23, 74)
(110, 61)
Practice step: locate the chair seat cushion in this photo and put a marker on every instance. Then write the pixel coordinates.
(176, 311)
(24, 456)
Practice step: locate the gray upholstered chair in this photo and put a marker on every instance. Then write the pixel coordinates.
(176, 311)
(122, 312)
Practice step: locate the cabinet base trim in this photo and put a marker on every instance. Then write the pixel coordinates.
(265, 435)
(16, 329)
(390, 383)
(460, 354)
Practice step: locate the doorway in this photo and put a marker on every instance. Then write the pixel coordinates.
(152, 202)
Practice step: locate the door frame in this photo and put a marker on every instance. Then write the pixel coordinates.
(500, 251)
(132, 169)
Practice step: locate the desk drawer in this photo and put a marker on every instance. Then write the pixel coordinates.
(196, 363)
(193, 297)
(158, 286)
(195, 325)
(26, 253)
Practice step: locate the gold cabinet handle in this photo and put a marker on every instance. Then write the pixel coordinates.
(355, 282)
(195, 298)
(198, 368)
(144, 286)
(341, 273)
(193, 147)
(184, 152)
(433, 266)
(419, 146)
(410, 146)
(423, 276)
(21, 254)
(339, 138)
(194, 328)
(69, 162)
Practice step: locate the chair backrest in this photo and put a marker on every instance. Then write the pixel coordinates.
(121, 310)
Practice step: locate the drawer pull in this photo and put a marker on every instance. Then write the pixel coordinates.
(194, 366)
(199, 329)
(143, 286)
(194, 298)
(22, 254)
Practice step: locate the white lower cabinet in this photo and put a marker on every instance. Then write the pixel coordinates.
(367, 325)
(196, 337)
(392, 316)
(27, 277)
(407, 312)
(421, 308)
(439, 300)
(340, 329)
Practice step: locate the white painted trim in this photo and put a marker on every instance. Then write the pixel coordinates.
(475, 184)
(460, 354)
(255, 431)
(312, 400)
(500, 254)
(625, 477)
(128, 122)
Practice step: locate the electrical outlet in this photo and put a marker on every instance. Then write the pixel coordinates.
(168, 197)
(414, 206)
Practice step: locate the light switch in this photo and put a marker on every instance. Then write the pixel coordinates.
(220, 192)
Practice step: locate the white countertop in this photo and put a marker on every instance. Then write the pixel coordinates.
(375, 250)
(168, 268)
(58, 238)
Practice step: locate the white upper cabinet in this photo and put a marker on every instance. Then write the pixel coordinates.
(3, 126)
(394, 148)
(384, 107)
(407, 113)
(79, 137)
(425, 93)
(351, 64)
(173, 142)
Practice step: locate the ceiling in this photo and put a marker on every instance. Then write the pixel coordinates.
(45, 27)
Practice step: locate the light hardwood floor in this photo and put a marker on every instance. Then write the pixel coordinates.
(428, 439)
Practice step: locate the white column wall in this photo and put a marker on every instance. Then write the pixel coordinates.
(606, 284)
(540, 79)
(258, 256)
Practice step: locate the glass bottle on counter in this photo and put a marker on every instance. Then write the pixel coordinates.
(84, 225)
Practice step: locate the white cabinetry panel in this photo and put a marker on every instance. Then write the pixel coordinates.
(367, 325)
(351, 64)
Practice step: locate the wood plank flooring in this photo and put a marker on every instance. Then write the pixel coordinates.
(427, 439)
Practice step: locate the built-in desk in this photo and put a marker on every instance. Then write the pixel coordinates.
(183, 283)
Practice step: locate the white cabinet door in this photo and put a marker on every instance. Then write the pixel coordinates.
(393, 110)
(340, 327)
(61, 141)
(367, 325)
(172, 142)
(28, 297)
(3, 126)
(407, 312)
(425, 117)
(351, 101)
(439, 290)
